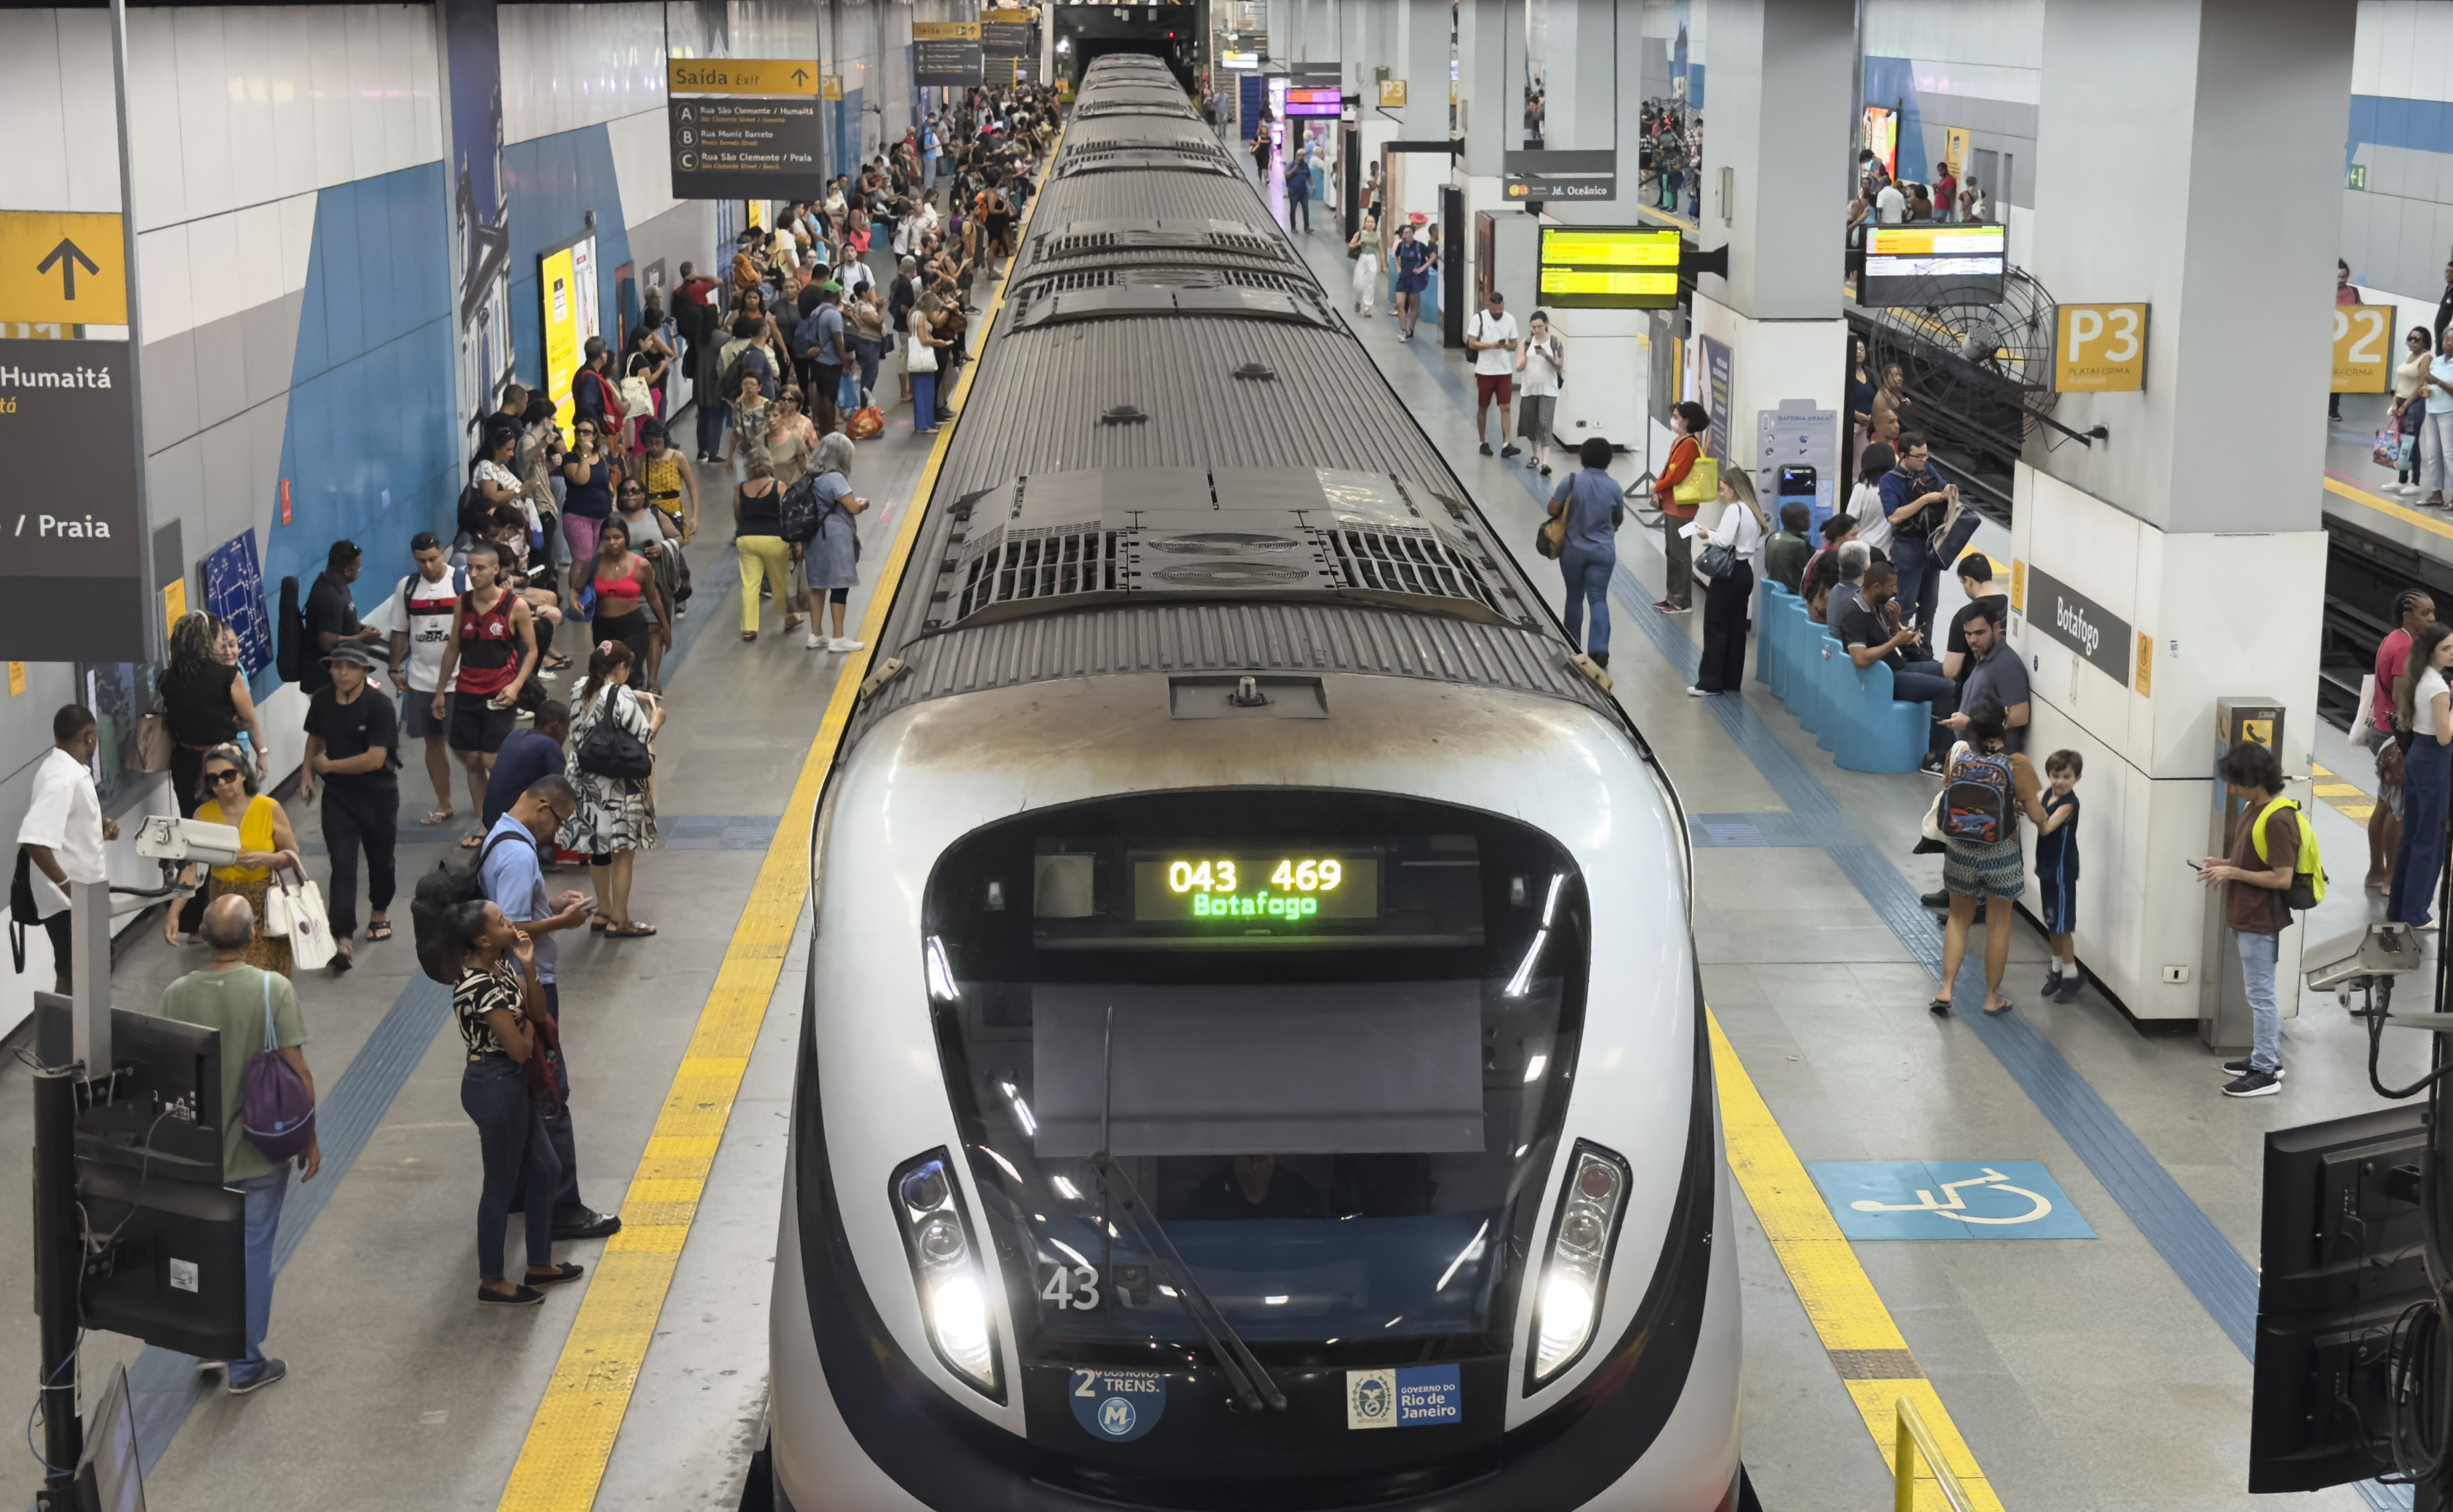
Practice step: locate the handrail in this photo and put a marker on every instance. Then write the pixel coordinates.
(1915, 1439)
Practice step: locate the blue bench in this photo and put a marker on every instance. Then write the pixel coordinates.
(1848, 710)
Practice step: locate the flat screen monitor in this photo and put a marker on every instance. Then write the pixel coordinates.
(164, 1067)
(1927, 262)
(174, 1272)
(110, 1474)
(1610, 267)
(1303, 100)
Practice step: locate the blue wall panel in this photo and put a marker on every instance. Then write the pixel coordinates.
(553, 182)
(1892, 82)
(360, 450)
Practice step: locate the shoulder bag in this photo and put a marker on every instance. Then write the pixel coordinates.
(151, 750)
(921, 357)
(1702, 483)
(276, 1111)
(295, 910)
(609, 749)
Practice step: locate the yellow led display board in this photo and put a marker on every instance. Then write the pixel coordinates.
(1610, 267)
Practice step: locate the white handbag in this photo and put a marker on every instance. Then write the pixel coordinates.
(921, 358)
(293, 910)
(2364, 730)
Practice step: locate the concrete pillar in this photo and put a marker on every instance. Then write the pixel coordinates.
(1579, 65)
(1493, 112)
(1424, 30)
(2191, 533)
(1278, 21)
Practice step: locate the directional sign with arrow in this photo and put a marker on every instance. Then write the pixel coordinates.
(62, 268)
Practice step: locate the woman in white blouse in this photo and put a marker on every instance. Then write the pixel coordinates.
(1540, 369)
(1741, 530)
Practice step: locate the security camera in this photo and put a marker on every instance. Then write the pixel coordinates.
(176, 842)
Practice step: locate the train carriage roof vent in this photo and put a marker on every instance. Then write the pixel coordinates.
(1192, 235)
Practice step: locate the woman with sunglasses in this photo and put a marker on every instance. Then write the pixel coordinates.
(588, 476)
(227, 796)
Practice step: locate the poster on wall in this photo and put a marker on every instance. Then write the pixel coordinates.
(1882, 137)
(481, 240)
(560, 302)
(1715, 362)
(234, 592)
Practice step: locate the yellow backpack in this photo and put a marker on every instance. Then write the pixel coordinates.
(2307, 887)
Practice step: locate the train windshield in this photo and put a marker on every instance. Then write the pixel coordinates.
(1324, 1038)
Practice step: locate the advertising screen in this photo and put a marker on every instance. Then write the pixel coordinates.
(1306, 101)
(1609, 268)
(1925, 263)
(567, 302)
(1882, 137)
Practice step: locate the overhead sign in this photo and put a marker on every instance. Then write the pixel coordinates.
(742, 77)
(739, 148)
(1609, 268)
(72, 568)
(2362, 348)
(1907, 266)
(2101, 638)
(1560, 174)
(830, 87)
(946, 54)
(1392, 93)
(1875, 1200)
(68, 269)
(2100, 349)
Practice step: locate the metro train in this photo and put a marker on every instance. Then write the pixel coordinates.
(1253, 1054)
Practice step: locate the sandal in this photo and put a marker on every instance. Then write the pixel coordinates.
(749, 635)
(557, 663)
(438, 816)
(1995, 1013)
(596, 925)
(342, 961)
(567, 1270)
(378, 931)
(792, 623)
(1939, 1007)
(634, 930)
(471, 842)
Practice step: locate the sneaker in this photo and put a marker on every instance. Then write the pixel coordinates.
(240, 1382)
(2255, 1083)
(1510, 451)
(1931, 766)
(844, 644)
(2070, 986)
(815, 641)
(1693, 691)
(1668, 607)
(2052, 983)
(1545, 469)
(1939, 898)
(1485, 449)
(2241, 1067)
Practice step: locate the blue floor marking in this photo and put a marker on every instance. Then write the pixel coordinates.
(2223, 1280)
(1750, 832)
(1924, 1200)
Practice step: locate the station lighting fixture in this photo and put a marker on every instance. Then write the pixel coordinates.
(945, 1271)
(1581, 1233)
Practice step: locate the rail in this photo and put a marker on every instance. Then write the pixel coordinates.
(1915, 1440)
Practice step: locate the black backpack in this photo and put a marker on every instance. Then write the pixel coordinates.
(800, 513)
(438, 892)
(23, 910)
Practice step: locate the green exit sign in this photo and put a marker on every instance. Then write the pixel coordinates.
(2359, 179)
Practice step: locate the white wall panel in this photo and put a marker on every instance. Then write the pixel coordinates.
(2397, 27)
(161, 192)
(641, 168)
(2367, 48)
(203, 143)
(2008, 33)
(87, 113)
(568, 65)
(34, 171)
(247, 57)
(1987, 81)
(2431, 51)
(362, 91)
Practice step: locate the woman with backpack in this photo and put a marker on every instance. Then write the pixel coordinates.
(830, 559)
(612, 735)
(1984, 789)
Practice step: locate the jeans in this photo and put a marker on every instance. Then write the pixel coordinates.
(1299, 205)
(2438, 434)
(712, 418)
(868, 352)
(355, 820)
(1724, 667)
(2257, 958)
(923, 403)
(1678, 584)
(513, 1143)
(265, 1195)
(1919, 580)
(2426, 786)
(1923, 683)
(1589, 578)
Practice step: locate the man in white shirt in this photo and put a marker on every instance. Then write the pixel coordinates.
(64, 830)
(1490, 335)
(1890, 206)
(419, 616)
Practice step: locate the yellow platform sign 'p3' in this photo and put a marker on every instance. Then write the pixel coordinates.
(57, 267)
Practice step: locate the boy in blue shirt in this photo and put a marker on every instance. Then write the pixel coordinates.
(2057, 871)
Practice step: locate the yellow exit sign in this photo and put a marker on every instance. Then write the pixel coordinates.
(945, 31)
(741, 75)
(64, 269)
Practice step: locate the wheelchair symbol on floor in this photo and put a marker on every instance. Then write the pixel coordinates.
(1953, 1207)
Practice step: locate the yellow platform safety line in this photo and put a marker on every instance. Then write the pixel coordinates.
(2347, 799)
(1866, 1347)
(570, 1437)
(2386, 507)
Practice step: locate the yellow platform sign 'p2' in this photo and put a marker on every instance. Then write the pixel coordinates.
(2362, 348)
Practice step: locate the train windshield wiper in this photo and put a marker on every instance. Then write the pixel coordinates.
(1243, 1371)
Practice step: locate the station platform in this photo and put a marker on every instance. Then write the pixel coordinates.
(2101, 1364)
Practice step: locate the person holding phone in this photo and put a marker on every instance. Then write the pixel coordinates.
(1915, 500)
(2254, 904)
(1490, 335)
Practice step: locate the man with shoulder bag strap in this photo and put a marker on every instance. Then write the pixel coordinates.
(1490, 335)
(1915, 501)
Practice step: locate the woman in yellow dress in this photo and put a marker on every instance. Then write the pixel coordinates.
(672, 489)
(265, 842)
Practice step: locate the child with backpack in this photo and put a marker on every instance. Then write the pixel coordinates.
(1986, 788)
(2273, 868)
(2057, 871)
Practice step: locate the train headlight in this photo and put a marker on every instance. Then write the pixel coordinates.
(946, 1270)
(1581, 1232)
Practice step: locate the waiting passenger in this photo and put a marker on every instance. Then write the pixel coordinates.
(1688, 423)
(1786, 554)
(1740, 532)
(2057, 873)
(1254, 1187)
(1854, 559)
(1983, 599)
(2253, 884)
(1987, 787)
(239, 1002)
(2426, 711)
(616, 817)
(1542, 369)
(2413, 611)
(1490, 335)
(1866, 501)
(266, 843)
(1872, 630)
(353, 747)
(1837, 532)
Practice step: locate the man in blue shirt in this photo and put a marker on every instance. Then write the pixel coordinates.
(511, 876)
(1590, 504)
(1298, 191)
(527, 757)
(1915, 501)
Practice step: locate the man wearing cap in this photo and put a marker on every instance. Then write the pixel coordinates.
(353, 752)
(823, 364)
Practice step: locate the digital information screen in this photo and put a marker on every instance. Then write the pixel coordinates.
(1599, 268)
(1313, 102)
(1289, 886)
(1905, 265)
